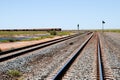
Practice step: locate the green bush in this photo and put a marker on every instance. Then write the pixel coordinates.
(53, 33)
(14, 73)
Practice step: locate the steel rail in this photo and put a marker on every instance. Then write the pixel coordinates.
(33, 48)
(100, 65)
(64, 69)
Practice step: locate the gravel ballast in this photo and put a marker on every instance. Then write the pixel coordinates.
(84, 66)
(39, 64)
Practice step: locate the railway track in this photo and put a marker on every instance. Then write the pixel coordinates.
(100, 71)
(6, 55)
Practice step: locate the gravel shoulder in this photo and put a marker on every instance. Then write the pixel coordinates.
(111, 47)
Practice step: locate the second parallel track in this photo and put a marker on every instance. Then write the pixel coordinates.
(6, 55)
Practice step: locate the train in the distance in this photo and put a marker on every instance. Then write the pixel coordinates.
(44, 29)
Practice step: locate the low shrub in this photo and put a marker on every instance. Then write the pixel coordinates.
(0, 50)
(12, 40)
(53, 33)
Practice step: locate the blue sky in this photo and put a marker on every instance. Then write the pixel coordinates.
(65, 14)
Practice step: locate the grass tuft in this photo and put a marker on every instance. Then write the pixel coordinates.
(14, 73)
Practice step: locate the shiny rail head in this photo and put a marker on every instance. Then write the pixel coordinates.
(100, 64)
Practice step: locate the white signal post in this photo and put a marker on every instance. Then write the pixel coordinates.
(103, 22)
(78, 28)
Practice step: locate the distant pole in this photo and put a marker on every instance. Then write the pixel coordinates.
(103, 22)
(78, 28)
